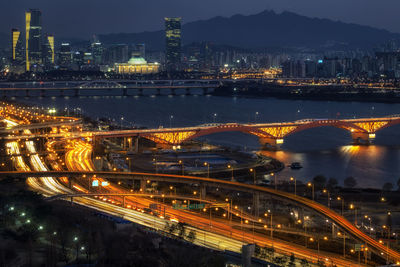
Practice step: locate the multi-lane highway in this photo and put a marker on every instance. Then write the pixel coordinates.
(212, 232)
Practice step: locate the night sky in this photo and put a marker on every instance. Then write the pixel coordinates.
(82, 18)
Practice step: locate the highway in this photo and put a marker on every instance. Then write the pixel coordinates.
(217, 232)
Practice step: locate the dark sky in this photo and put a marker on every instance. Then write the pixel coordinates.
(82, 18)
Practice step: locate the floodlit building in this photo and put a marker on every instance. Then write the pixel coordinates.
(17, 48)
(33, 27)
(137, 65)
(173, 42)
(49, 51)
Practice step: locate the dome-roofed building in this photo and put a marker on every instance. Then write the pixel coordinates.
(137, 65)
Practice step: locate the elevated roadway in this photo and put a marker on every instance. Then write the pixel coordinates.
(314, 206)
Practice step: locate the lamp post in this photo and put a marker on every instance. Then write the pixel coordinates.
(341, 199)
(353, 207)
(170, 120)
(155, 162)
(329, 196)
(122, 119)
(309, 184)
(254, 175)
(275, 184)
(231, 167)
(183, 167)
(295, 186)
(208, 169)
(214, 117)
(255, 116)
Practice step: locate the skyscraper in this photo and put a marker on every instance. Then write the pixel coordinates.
(65, 56)
(48, 51)
(173, 43)
(33, 50)
(17, 48)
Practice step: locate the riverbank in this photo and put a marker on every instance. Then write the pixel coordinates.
(257, 89)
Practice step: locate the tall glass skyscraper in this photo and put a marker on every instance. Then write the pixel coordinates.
(17, 47)
(33, 26)
(173, 42)
(48, 51)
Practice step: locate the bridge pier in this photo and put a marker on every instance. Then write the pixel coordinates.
(76, 92)
(27, 93)
(187, 91)
(173, 91)
(62, 93)
(140, 93)
(123, 201)
(158, 91)
(362, 138)
(271, 143)
(124, 92)
(137, 144)
(205, 91)
(42, 93)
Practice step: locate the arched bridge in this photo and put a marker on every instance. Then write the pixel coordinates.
(273, 134)
(211, 182)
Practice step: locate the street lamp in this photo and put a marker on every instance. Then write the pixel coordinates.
(309, 184)
(255, 116)
(183, 168)
(230, 167)
(122, 119)
(329, 196)
(353, 207)
(254, 175)
(170, 120)
(276, 185)
(341, 199)
(208, 169)
(214, 117)
(295, 186)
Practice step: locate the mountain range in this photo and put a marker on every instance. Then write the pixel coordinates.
(263, 30)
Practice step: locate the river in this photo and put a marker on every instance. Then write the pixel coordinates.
(327, 151)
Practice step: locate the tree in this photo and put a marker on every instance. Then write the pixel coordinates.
(350, 182)
(387, 187)
(319, 181)
(332, 183)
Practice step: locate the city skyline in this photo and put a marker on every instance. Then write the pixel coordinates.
(124, 17)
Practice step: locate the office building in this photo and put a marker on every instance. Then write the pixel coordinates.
(173, 43)
(17, 47)
(65, 55)
(33, 48)
(97, 53)
(49, 51)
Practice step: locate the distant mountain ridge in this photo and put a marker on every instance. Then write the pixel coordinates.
(265, 29)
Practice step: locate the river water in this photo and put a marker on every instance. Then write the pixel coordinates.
(327, 151)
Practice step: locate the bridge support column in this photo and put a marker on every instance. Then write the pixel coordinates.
(256, 204)
(362, 138)
(158, 91)
(124, 92)
(187, 91)
(173, 91)
(205, 91)
(27, 93)
(62, 93)
(123, 201)
(271, 143)
(42, 93)
(137, 144)
(203, 191)
(140, 93)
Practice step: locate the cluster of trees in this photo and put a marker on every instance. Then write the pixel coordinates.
(321, 182)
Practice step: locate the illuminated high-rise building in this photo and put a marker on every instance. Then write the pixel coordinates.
(17, 47)
(97, 53)
(48, 51)
(33, 26)
(173, 43)
(65, 56)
